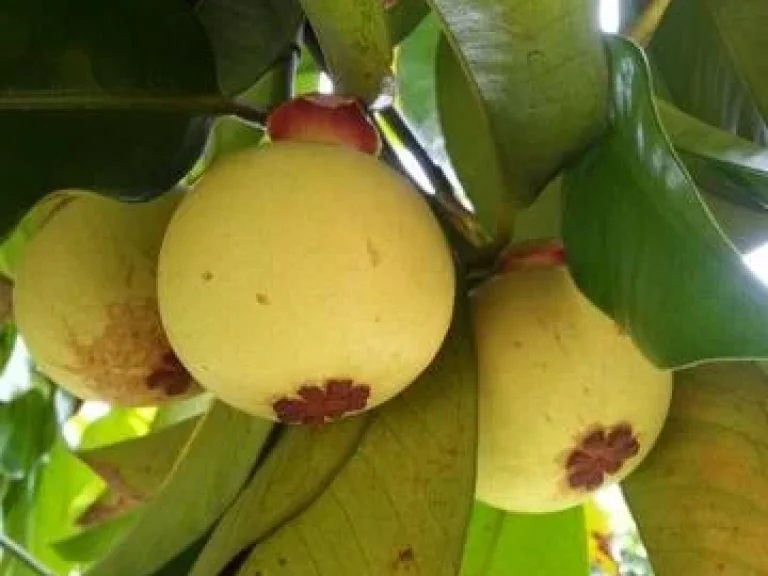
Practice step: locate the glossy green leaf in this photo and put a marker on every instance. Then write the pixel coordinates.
(402, 502)
(403, 16)
(355, 40)
(643, 247)
(504, 543)
(27, 432)
(525, 91)
(417, 96)
(746, 227)
(134, 469)
(298, 469)
(699, 498)
(98, 49)
(719, 161)
(178, 515)
(731, 172)
(247, 37)
(711, 56)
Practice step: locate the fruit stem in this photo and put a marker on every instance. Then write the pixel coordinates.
(23, 101)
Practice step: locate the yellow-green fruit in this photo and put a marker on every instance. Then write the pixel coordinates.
(301, 282)
(567, 404)
(85, 301)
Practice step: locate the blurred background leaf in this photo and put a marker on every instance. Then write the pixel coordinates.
(499, 542)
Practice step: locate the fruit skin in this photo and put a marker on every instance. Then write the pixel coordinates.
(566, 402)
(301, 281)
(85, 300)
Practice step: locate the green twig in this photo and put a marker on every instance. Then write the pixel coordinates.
(85, 102)
(643, 28)
(10, 547)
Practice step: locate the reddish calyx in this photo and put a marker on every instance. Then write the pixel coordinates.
(326, 119)
(533, 254)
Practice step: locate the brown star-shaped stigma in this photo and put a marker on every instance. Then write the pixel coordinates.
(170, 376)
(602, 451)
(318, 404)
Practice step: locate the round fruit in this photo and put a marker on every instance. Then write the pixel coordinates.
(85, 301)
(303, 281)
(567, 404)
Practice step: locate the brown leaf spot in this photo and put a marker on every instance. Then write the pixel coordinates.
(262, 299)
(207, 276)
(602, 451)
(319, 404)
(405, 557)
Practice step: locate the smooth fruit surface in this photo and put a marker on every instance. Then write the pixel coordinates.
(85, 301)
(301, 282)
(567, 404)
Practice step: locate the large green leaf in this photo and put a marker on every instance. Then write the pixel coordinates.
(416, 96)
(711, 56)
(503, 543)
(134, 469)
(55, 50)
(402, 502)
(644, 248)
(215, 463)
(49, 505)
(700, 497)
(27, 432)
(88, 545)
(248, 36)
(354, 37)
(719, 161)
(298, 469)
(520, 91)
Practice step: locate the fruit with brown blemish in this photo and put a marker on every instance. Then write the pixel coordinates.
(85, 301)
(331, 285)
(324, 119)
(567, 403)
